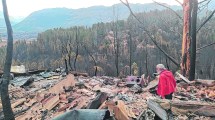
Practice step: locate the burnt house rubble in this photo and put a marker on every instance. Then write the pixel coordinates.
(55, 95)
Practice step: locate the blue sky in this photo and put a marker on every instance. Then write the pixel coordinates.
(25, 7)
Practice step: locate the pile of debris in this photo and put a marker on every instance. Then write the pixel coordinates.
(52, 95)
(198, 90)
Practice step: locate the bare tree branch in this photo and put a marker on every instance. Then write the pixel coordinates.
(148, 33)
(170, 28)
(205, 46)
(128, 6)
(161, 4)
(203, 1)
(179, 2)
(209, 17)
(202, 7)
(166, 54)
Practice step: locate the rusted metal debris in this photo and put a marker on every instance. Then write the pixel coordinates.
(50, 97)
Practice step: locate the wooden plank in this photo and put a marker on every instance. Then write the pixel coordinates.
(51, 103)
(159, 111)
(18, 102)
(31, 102)
(199, 108)
(120, 111)
(59, 87)
(103, 105)
(152, 84)
(186, 107)
(183, 78)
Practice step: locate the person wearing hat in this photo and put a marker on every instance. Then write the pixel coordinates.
(167, 83)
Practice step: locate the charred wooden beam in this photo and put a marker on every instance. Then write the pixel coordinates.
(159, 111)
(182, 107)
(97, 102)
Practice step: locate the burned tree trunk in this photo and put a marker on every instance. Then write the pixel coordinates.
(130, 50)
(77, 47)
(185, 63)
(67, 71)
(146, 59)
(8, 113)
(69, 61)
(193, 19)
(69, 54)
(95, 64)
(76, 56)
(190, 8)
(117, 56)
(94, 60)
(116, 49)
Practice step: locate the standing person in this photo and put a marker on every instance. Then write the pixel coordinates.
(167, 82)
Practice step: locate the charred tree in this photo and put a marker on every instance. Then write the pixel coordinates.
(69, 61)
(146, 59)
(185, 63)
(77, 47)
(193, 19)
(69, 53)
(116, 41)
(130, 52)
(95, 63)
(63, 52)
(190, 8)
(116, 48)
(66, 65)
(7, 110)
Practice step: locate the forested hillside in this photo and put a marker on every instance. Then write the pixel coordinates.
(63, 17)
(107, 46)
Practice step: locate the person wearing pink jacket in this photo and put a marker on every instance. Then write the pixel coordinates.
(167, 83)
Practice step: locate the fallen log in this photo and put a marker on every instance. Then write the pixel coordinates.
(208, 83)
(186, 107)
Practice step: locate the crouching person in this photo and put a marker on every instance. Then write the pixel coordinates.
(167, 82)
